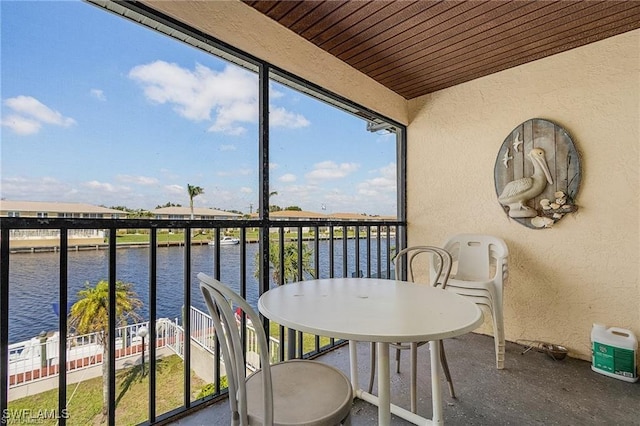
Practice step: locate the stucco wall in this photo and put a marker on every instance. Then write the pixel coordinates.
(586, 268)
(563, 279)
(245, 28)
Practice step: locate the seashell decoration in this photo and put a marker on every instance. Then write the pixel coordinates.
(542, 222)
(556, 210)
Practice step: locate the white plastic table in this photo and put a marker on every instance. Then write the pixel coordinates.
(375, 310)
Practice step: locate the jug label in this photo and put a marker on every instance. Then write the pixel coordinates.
(614, 360)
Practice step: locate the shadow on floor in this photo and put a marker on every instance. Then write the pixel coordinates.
(533, 389)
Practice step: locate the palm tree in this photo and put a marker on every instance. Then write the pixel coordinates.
(193, 191)
(273, 208)
(289, 273)
(91, 314)
(289, 270)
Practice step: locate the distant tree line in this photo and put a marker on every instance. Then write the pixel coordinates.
(274, 208)
(142, 213)
(169, 204)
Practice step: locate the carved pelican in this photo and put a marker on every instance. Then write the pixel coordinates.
(516, 193)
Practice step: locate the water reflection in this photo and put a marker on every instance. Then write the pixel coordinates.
(34, 278)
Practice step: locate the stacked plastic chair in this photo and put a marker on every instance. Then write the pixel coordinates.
(480, 273)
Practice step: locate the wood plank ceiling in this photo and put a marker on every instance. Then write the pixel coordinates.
(418, 47)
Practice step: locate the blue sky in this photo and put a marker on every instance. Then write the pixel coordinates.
(100, 110)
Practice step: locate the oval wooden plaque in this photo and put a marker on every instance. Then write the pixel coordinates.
(518, 175)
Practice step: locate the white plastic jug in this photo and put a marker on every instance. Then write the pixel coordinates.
(614, 352)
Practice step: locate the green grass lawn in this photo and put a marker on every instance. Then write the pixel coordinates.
(308, 340)
(132, 395)
(164, 237)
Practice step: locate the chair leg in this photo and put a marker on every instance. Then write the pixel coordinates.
(498, 332)
(414, 380)
(372, 366)
(445, 367)
(414, 368)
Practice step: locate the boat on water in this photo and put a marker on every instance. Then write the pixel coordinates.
(226, 241)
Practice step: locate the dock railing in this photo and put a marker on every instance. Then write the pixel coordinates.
(38, 358)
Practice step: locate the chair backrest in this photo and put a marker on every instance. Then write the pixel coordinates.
(436, 270)
(220, 300)
(478, 257)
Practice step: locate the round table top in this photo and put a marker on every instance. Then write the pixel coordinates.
(370, 309)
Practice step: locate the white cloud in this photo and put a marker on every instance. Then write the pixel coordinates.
(234, 172)
(274, 93)
(98, 94)
(287, 178)
(95, 185)
(298, 195)
(279, 117)
(139, 180)
(28, 105)
(246, 190)
(44, 188)
(30, 114)
(230, 114)
(229, 95)
(174, 189)
(51, 189)
(227, 147)
(21, 125)
(232, 93)
(384, 183)
(328, 170)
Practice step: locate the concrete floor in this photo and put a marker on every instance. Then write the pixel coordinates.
(533, 389)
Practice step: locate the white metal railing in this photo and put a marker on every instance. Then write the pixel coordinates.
(175, 339)
(253, 360)
(38, 358)
(203, 332)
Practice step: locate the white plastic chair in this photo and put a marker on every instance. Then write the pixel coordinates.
(296, 392)
(480, 272)
(435, 272)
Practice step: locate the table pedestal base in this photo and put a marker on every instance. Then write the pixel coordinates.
(383, 400)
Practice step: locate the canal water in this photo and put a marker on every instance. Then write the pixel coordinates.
(34, 278)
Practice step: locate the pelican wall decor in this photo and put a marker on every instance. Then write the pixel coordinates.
(537, 174)
(516, 193)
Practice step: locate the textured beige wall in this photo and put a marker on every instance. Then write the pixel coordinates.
(586, 268)
(245, 28)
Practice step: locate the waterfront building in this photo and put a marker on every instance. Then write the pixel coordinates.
(312, 216)
(49, 210)
(199, 213)
(43, 209)
(47, 238)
